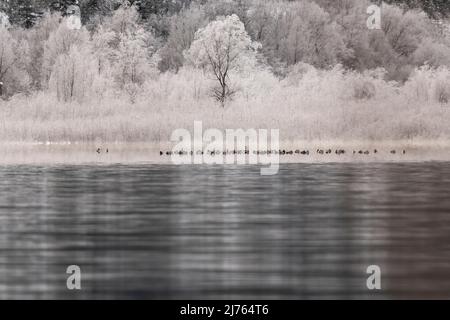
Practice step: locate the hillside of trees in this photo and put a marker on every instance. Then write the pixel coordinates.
(135, 64)
(25, 12)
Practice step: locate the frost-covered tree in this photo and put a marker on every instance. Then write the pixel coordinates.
(123, 44)
(132, 58)
(60, 42)
(350, 15)
(183, 27)
(435, 8)
(73, 74)
(312, 38)
(36, 38)
(4, 20)
(292, 32)
(401, 35)
(404, 30)
(222, 47)
(394, 46)
(13, 55)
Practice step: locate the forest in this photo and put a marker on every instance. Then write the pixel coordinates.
(133, 71)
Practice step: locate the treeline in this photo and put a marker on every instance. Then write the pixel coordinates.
(126, 42)
(25, 13)
(434, 8)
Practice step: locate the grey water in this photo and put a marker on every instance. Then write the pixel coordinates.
(225, 232)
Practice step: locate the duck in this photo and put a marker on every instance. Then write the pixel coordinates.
(393, 152)
(99, 150)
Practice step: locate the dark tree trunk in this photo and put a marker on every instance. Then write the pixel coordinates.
(1, 88)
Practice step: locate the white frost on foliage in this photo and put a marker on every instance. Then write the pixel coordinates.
(223, 44)
(4, 20)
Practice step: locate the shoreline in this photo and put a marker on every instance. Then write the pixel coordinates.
(18, 153)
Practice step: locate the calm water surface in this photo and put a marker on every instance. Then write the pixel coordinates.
(162, 231)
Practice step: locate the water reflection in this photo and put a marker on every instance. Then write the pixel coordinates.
(161, 231)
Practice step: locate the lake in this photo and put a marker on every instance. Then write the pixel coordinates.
(225, 232)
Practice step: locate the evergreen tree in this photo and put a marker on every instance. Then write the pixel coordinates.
(147, 8)
(434, 8)
(4, 19)
(3, 5)
(23, 13)
(63, 5)
(91, 8)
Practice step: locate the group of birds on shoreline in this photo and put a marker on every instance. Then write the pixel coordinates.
(280, 152)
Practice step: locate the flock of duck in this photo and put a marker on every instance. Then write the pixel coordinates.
(283, 152)
(280, 152)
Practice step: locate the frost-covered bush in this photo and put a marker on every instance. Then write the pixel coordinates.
(320, 105)
(432, 53)
(429, 84)
(339, 83)
(364, 90)
(441, 86)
